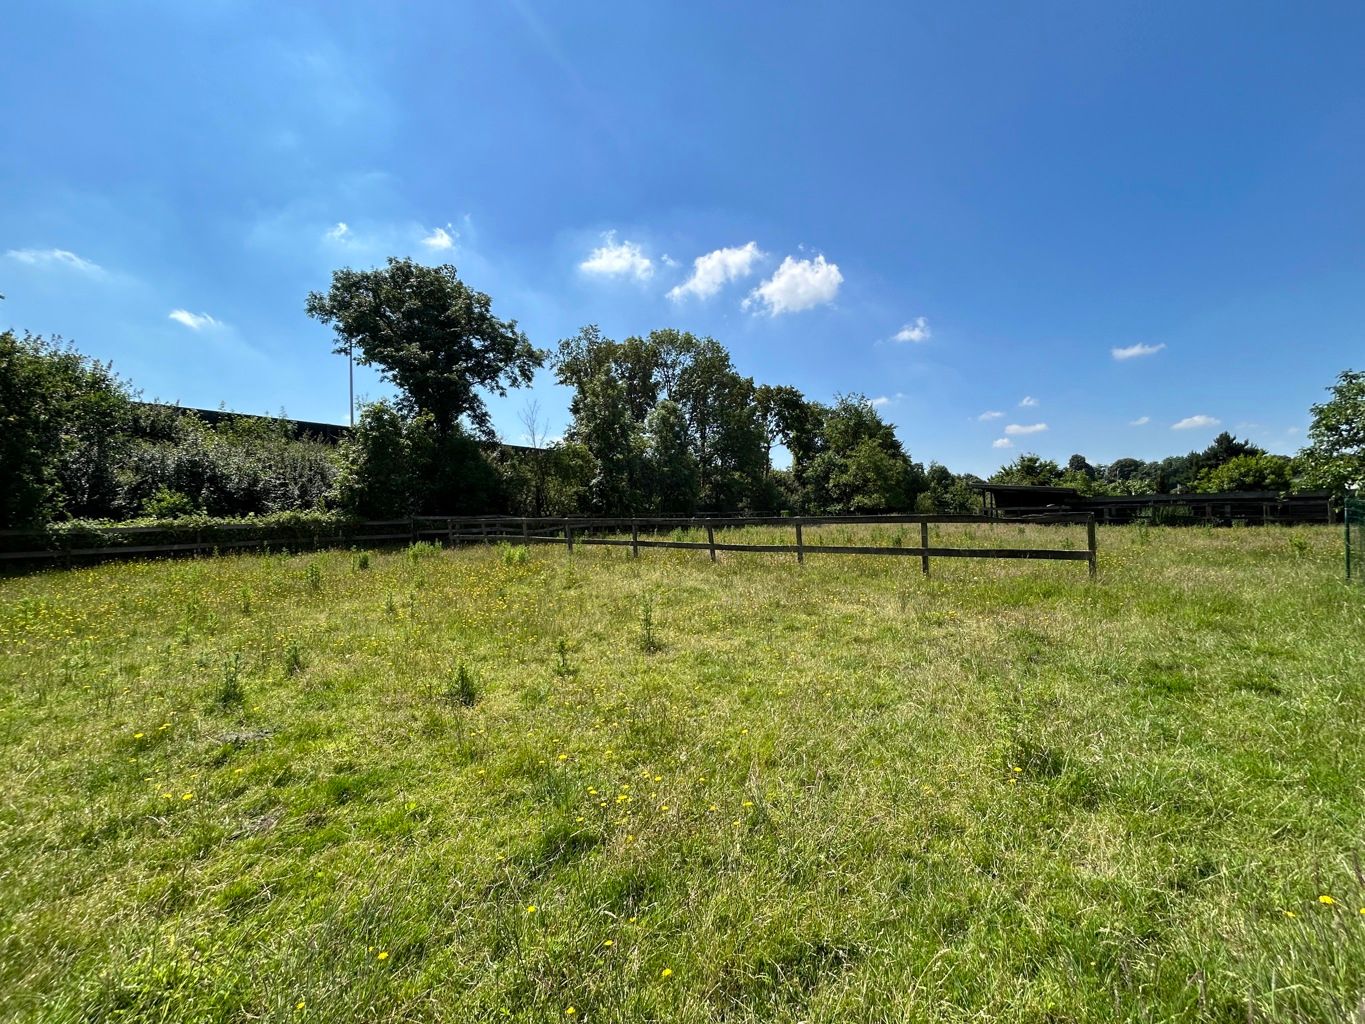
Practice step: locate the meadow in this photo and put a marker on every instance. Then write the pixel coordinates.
(500, 783)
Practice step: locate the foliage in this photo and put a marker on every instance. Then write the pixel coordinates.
(431, 335)
(670, 424)
(394, 464)
(64, 421)
(859, 465)
(1248, 473)
(1029, 470)
(283, 529)
(243, 465)
(1334, 459)
(168, 504)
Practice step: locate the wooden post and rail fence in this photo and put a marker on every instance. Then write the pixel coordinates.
(571, 531)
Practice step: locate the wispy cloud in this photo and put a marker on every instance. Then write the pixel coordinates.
(797, 285)
(1027, 402)
(990, 414)
(194, 321)
(338, 233)
(439, 240)
(618, 259)
(1002, 442)
(1141, 421)
(713, 271)
(1193, 422)
(882, 400)
(1134, 351)
(1017, 429)
(916, 330)
(62, 258)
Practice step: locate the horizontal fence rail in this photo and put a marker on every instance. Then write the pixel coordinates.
(570, 532)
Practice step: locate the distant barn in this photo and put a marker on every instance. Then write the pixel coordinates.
(1234, 507)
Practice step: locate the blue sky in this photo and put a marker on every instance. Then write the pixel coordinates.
(1016, 191)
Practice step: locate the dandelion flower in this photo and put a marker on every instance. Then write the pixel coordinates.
(531, 909)
(299, 1005)
(570, 1012)
(667, 972)
(1326, 901)
(383, 955)
(188, 796)
(138, 735)
(608, 942)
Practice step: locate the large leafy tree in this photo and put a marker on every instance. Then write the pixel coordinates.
(431, 335)
(860, 465)
(1248, 473)
(64, 422)
(708, 439)
(1029, 470)
(1335, 456)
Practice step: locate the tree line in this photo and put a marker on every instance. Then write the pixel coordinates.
(661, 424)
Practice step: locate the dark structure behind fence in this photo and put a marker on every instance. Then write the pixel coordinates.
(635, 534)
(1234, 508)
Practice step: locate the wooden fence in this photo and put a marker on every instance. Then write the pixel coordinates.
(571, 531)
(636, 533)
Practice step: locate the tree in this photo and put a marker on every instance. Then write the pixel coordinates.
(64, 422)
(432, 336)
(1248, 473)
(1078, 464)
(380, 460)
(618, 386)
(1335, 457)
(1028, 470)
(860, 465)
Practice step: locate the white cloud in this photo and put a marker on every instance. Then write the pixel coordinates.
(57, 258)
(1016, 429)
(341, 231)
(611, 259)
(439, 240)
(916, 330)
(714, 270)
(194, 321)
(1141, 421)
(880, 401)
(669, 261)
(1133, 351)
(1027, 402)
(1191, 422)
(1002, 442)
(797, 285)
(990, 414)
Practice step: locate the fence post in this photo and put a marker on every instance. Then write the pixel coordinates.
(800, 545)
(711, 540)
(634, 539)
(1090, 543)
(568, 535)
(483, 530)
(924, 546)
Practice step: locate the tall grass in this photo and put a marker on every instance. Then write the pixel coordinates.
(837, 792)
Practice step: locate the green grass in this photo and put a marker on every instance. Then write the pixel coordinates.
(748, 791)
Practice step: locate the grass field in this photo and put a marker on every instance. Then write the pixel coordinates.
(491, 784)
